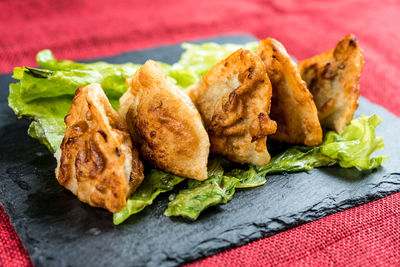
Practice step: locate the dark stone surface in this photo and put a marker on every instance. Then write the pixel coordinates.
(58, 230)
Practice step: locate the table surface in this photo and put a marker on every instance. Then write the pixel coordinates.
(365, 235)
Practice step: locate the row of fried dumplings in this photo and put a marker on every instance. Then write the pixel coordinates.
(231, 111)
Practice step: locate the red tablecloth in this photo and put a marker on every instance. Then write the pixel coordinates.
(366, 235)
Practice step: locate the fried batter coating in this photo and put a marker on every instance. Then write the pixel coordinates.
(96, 160)
(292, 106)
(166, 125)
(333, 79)
(233, 99)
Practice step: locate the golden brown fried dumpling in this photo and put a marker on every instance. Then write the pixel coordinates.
(292, 106)
(233, 99)
(332, 78)
(165, 123)
(96, 160)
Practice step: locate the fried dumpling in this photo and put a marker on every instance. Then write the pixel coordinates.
(233, 99)
(292, 106)
(165, 123)
(96, 160)
(332, 78)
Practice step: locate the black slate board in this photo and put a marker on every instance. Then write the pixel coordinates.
(58, 230)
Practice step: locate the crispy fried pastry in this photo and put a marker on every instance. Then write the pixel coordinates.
(332, 78)
(166, 125)
(292, 106)
(233, 99)
(96, 160)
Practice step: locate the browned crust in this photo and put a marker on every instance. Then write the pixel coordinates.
(333, 79)
(233, 99)
(94, 150)
(169, 130)
(292, 106)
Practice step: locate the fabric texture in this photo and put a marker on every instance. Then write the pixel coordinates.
(365, 235)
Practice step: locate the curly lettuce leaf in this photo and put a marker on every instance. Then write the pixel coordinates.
(248, 178)
(155, 183)
(46, 60)
(112, 77)
(353, 148)
(47, 113)
(215, 167)
(41, 83)
(112, 72)
(199, 58)
(199, 196)
(217, 189)
(38, 83)
(296, 159)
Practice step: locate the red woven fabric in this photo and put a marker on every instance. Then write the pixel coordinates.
(12, 252)
(367, 235)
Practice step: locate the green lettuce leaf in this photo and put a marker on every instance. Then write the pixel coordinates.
(72, 75)
(296, 159)
(217, 189)
(47, 113)
(115, 74)
(201, 195)
(248, 178)
(215, 167)
(40, 83)
(155, 183)
(353, 148)
(46, 60)
(199, 58)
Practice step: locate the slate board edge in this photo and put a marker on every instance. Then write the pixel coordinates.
(263, 230)
(259, 231)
